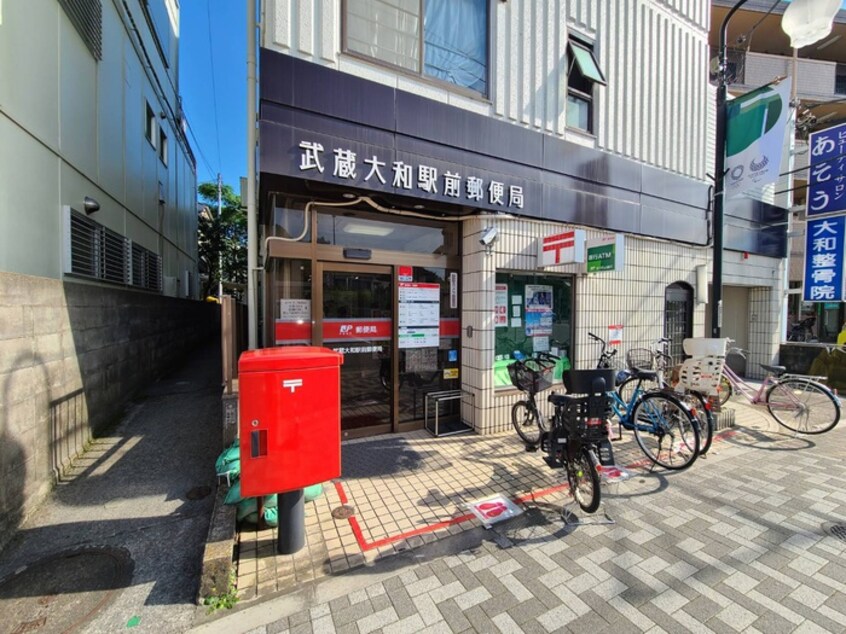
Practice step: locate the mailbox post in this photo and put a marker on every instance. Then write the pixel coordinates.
(290, 429)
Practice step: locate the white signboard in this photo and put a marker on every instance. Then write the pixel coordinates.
(501, 306)
(419, 315)
(562, 248)
(295, 309)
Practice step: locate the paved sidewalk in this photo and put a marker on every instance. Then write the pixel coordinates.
(120, 540)
(738, 543)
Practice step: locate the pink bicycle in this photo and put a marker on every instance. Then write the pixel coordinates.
(798, 403)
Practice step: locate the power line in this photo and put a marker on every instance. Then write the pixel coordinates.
(199, 149)
(214, 87)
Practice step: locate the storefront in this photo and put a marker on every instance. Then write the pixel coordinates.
(410, 235)
(382, 289)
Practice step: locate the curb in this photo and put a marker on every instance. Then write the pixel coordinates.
(217, 565)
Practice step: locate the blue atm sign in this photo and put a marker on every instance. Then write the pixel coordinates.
(824, 255)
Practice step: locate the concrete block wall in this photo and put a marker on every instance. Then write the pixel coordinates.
(71, 355)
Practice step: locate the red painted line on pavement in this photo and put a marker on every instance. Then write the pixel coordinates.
(520, 499)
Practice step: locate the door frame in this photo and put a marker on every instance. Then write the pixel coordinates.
(321, 267)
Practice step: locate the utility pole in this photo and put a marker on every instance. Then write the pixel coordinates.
(220, 243)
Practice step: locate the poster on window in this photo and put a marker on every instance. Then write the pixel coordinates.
(538, 310)
(615, 334)
(419, 315)
(295, 310)
(501, 306)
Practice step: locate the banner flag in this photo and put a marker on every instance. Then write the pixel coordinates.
(755, 124)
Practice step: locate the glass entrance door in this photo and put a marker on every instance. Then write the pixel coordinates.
(357, 305)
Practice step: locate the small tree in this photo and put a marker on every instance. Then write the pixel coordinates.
(222, 240)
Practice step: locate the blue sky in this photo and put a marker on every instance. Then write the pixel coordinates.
(218, 119)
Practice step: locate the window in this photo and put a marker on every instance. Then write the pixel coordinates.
(163, 146)
(150, 126)
(533, 313)
(582, 74)
(454, 46)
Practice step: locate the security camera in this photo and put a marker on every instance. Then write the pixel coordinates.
(489, 236)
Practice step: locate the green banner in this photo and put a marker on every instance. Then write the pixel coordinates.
(601, 258)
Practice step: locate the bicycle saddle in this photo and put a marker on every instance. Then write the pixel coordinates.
(778, 370)
(561, 399)
(646, 375)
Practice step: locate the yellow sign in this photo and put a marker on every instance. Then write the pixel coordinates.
(450, 373)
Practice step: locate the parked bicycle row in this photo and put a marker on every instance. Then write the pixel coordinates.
(667, 407)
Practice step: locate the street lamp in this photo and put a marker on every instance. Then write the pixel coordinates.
(806, 22)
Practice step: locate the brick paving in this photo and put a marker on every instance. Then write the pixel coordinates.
(737, 543)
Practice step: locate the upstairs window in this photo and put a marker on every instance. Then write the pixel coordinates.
(163, 146)
(582, 74)
(453, 46)
(150, 126)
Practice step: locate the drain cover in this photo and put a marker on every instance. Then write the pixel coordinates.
(343, 512)
(836, 530)
(62, 592)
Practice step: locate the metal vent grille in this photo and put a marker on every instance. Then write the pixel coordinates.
(100, 253)
(146, 269)
(87, 18)
(96, 251)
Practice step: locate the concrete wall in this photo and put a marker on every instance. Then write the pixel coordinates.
(653, 52)
(71, 355)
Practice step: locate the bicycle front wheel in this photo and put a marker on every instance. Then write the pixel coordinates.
(627, 388)
(583, 475)
(803, 406)
(666, 431)
(526, 421)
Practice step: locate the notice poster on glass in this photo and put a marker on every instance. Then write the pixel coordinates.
(538, 310)
(419, 315)
(295, 310)
(501, 306)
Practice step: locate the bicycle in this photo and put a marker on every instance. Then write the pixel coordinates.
(655, 416)
(798, 403)
(530, 376)
(579, 429)
(658, 359)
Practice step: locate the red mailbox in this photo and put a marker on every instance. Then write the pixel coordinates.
(290, 418)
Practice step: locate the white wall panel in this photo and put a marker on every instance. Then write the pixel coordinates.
(652, 52)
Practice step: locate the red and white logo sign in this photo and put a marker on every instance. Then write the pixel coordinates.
(494, 509)
(405, 273)
(562, 248)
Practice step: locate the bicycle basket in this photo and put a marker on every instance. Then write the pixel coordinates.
(528, 379)
(587, 416)
(640, 359)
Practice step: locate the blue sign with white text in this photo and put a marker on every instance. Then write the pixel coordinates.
(827, 172)
(824, 249)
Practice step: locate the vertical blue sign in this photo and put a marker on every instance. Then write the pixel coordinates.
(827, 173)
(824, 242)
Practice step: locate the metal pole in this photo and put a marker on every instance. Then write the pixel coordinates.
(252, 229)
(220, 243)
(719, 181)
(290, 532)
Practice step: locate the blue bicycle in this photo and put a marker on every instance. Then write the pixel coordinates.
(664, 427)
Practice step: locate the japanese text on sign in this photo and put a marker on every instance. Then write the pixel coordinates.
(824, 243)
(827, 180)
(346, 166)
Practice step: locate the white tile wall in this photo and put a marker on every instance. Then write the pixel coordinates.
(633, 297)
